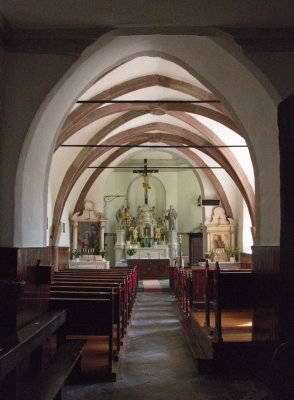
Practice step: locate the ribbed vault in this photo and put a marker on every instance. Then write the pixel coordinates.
(128, 126)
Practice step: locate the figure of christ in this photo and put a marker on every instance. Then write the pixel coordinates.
(145, 174)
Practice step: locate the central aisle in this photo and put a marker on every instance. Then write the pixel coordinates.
(158, 365)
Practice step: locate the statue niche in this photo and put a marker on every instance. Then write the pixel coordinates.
(220, 235)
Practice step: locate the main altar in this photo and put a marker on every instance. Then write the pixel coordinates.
(146, 235)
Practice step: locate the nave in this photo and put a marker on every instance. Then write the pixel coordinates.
(157, 363)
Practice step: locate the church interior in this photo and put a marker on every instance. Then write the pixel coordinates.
(146, 200)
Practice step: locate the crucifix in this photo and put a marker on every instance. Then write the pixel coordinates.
(89, 211)
(145, 174)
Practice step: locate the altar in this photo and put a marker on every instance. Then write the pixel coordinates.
(89, 264)
(159, 251)
(150, 268)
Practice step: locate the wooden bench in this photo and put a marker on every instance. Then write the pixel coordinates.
(126, 290)
(88, 316)
(120, 312)
(87, 281)
(28, 342)
(48, 383)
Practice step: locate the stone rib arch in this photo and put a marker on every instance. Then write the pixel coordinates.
(183, 137)
(195, 158)
(101, 112)
(255, 115)
(213, 138)
(140, 83)
(68, 183)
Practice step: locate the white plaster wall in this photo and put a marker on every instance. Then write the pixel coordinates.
(189, 214)
(117, 184)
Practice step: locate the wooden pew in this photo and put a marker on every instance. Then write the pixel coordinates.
(28, 342)
(97, 291)
(80, 283)
(125, 284)
(124, 279)
(226, 289)
(120, 299)
(90, 316)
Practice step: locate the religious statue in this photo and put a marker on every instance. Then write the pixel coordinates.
(135, 235)
(171, 216)
(120, 216)
(157, 234)
(218, 251)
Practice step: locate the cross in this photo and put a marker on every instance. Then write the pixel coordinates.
(89, 210)
(144, 172)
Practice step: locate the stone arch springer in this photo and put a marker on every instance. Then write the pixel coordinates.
(255, 116)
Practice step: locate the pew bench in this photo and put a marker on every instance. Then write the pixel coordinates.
(121, 298)
(88, 317)
(28, 342)
(47, 384)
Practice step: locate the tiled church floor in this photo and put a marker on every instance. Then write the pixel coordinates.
(158, 365)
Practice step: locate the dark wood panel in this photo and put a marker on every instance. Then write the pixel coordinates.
(63, 258)
(21, 307)
(198, 284)
(266, 293)
(246, 260)
(151, 268)
(195, 247)
(286, 142)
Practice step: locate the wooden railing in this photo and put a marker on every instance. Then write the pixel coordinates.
(182, 286)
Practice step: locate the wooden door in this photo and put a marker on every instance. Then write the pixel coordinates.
(195, 247)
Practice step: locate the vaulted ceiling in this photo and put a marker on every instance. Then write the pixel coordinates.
(177, 122)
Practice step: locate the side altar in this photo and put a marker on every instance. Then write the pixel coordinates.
(87, 240)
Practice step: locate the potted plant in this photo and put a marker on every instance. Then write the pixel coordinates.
(131, 252)
(102, 253)
(76, 254)
(233, 253)
(207, 256)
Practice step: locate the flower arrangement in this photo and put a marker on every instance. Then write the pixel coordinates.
(131, 252)
(75, 253)
(102, 253)
(233, 251)
(207, 255)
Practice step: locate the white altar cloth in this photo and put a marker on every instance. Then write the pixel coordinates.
(151, 252)
(92, 264)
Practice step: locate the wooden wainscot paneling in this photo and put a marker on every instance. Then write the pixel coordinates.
(25, 289)
(35, 266)
(246, 260)
(266, 293)
(63, 258)
(151, 268)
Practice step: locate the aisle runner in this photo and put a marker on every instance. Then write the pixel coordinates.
(152, 285)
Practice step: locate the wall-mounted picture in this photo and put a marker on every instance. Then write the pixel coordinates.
(88, 237)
